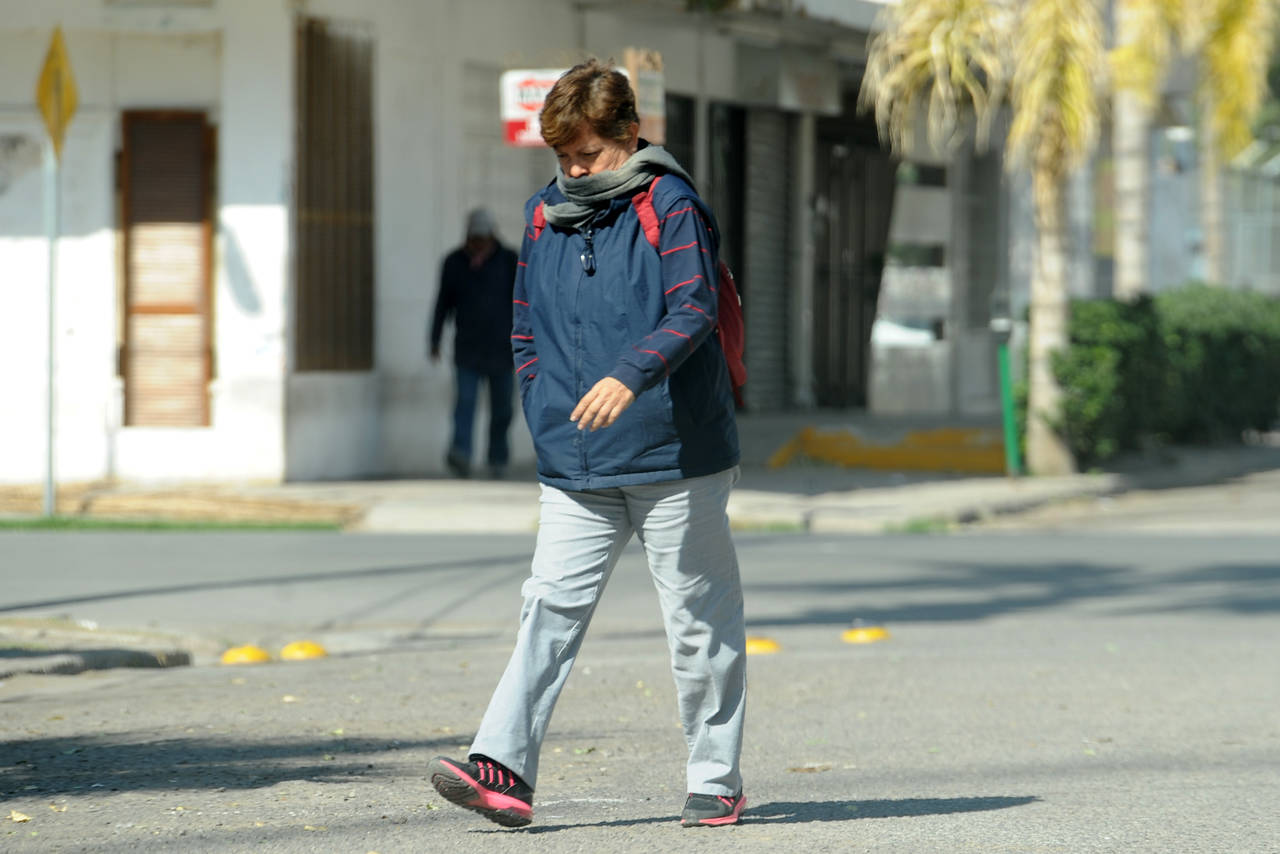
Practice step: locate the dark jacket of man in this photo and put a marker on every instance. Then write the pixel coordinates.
(481, 300)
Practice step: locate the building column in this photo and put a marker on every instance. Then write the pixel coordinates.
(802, 261)
(254, 238)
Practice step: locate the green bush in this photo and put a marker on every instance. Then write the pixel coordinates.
(1111, 377)
(1223, 350)
(1198, 364)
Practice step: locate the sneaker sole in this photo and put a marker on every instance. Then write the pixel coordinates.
(732, 818)
(456, 786)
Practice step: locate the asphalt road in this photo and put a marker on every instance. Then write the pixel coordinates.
(1070, 692)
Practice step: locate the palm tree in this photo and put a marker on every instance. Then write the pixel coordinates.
(1147, 33)
(1047, 55)
(1237, 37)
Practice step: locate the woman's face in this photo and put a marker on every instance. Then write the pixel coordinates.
(589, 154)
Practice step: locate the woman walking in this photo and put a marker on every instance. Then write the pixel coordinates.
(627, 396)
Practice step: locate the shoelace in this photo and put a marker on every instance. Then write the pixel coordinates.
(498, 778)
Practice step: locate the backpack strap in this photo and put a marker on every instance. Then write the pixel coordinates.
(643, 203)
(539, 222)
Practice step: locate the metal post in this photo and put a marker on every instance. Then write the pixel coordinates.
(1012, 454)
(52, 225)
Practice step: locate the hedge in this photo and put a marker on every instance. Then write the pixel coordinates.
(1194, 365)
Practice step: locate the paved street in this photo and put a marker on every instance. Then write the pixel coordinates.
(1038, 692)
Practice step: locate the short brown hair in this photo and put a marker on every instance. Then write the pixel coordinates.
(592, 93)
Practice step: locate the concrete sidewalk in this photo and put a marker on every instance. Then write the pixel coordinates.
(810, 497)
(803, 495)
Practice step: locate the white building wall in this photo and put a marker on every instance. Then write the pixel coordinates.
(252, 288)
(233, 62)
(434, 161)
(438, 153)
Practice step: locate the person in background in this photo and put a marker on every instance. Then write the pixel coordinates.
(628, 399)
(476, 282)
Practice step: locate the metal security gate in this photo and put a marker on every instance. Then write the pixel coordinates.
(767, 256)
(854, 208)
(333, 313)
(165, 178)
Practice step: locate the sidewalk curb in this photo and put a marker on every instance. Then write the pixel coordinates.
(65, 647)
(876, 511)
(71, 663)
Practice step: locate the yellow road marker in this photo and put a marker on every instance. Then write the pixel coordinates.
(300, 650)
(762, 646)
(248, 654)
(864, 634)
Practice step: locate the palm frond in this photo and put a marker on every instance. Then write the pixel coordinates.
(1055, 100)
(1238, 40)
(1149, 31)
(942, 55)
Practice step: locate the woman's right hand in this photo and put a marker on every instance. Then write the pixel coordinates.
(601, 406)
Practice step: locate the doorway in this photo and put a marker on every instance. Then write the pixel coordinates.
(853, 207)
(166, 358)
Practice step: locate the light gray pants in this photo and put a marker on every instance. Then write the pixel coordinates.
(685, 533)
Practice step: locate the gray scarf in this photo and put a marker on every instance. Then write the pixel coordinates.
(587, 195)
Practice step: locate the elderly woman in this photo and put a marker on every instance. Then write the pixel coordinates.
(626, 393)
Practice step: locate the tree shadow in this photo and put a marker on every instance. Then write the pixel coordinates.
(961, 591)
(452, 565)
(132, 762)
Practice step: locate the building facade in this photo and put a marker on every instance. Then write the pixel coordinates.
(256, 197)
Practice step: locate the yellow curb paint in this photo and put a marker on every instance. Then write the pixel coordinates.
(300, 650)
(865, 634)
(966, 450)
(245, 655)
(762, 646)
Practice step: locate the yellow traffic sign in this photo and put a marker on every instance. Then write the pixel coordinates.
(56, 91)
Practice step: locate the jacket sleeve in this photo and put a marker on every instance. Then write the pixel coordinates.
(523, 351)
(687, 250)
(444, 304)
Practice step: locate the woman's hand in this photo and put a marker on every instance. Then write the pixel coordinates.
(601, 406)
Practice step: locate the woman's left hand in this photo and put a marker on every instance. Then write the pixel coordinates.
(601, 406)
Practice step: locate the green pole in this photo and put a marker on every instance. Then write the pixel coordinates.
(1012, 456)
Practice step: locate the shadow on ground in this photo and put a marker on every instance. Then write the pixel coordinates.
(965, 591)
(800, 812)
(805, 812)
(131, 762)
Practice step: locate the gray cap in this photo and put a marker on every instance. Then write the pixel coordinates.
(480, 223)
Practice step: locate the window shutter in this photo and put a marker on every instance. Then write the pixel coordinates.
(167, 248)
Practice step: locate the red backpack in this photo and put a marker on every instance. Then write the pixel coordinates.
(729, 324)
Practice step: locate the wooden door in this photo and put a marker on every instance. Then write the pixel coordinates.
(165, 180)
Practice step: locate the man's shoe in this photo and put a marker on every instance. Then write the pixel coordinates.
(458, 464)
(712, 810)
(485, 786)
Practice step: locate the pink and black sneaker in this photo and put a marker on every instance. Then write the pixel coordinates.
(712, 810)
(485, 786)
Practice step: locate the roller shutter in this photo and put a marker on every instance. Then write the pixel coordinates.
(766, 254)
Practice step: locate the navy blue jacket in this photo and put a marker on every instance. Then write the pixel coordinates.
(646, 317)
(481, 299)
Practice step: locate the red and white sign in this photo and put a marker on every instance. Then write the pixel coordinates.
(523, 92)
